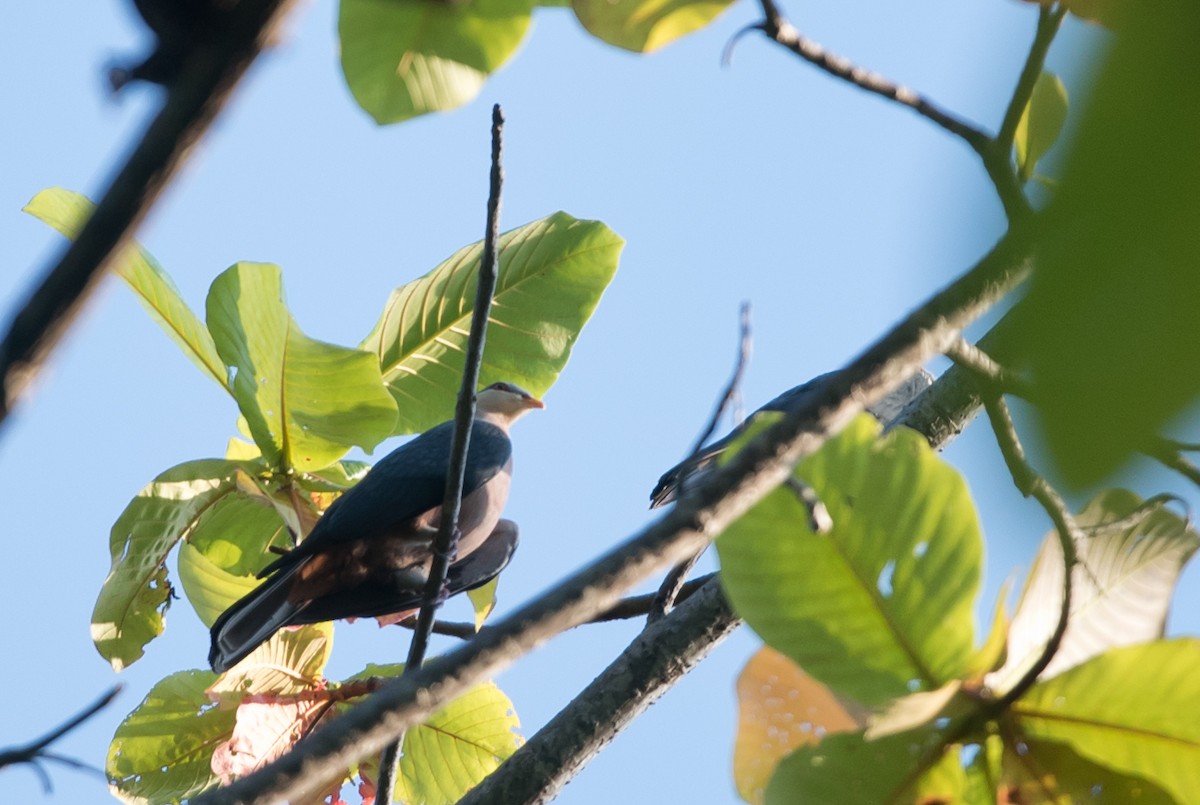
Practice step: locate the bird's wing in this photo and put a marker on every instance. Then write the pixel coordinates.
(406, 483)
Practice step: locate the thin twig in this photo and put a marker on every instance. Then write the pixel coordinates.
(718, 500)
(35, 751)
(206, 82)
(1170, 455)
(446, 543)
(668, 591)
(1049, 20)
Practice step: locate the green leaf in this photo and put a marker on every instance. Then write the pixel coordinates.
(644, 26)
(67, 211)
(1108, 328)
(456, 748)
(1040, 124)
(162, 750)
(845, 769)
(880, 606)
(129, 610)
(483, 601)
(1122, 586)
(305, 401)
(1132, 710)
(552, 274)
(404, 58)
(224, 551)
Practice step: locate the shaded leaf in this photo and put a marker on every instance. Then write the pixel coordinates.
(552, 273)
(1131, 709)
(881, 605)
(162, 750)
(1040, 124)
(1106, 12)
(645, 25)
(1122, 586)
(66, 211)
(129, 610)
(779, 709)
(1108, 328)
(264, 732)
(404, 58)
(305, 402)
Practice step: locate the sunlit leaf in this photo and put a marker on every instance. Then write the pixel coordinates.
(881, 605)
(1131, 709)
(993, 652)
(916, 710)
(645, 25)
(162, 750)
(306, 402)
(1108, 329)
(225, 548)
(264, 731)
(1122, 586)
(129, 610)
(552, 273)
(67, 211)
(781, 708)
(483, 601)
(1040, 123)
(455, 748)
(291, 662)
(404, 58)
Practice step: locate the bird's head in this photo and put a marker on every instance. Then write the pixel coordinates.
(504, 403)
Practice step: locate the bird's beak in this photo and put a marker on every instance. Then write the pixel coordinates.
(534, 402)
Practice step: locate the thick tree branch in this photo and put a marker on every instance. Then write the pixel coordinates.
(699, 516)
(211, 71)
(445, 548)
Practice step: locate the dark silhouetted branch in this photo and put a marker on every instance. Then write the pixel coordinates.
(35, 752)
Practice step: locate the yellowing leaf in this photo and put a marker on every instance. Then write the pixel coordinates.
(779, 709)
(483, 600)
(1040, 124)
(644, 26)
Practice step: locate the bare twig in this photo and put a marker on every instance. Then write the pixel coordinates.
(446, 543)
(208, 78)
(36, 751)
(694, 521)
(668, 591)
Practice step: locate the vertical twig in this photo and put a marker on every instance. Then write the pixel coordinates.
(446, 544)
(668, 591)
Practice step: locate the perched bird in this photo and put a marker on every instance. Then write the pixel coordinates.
(692, 468)
(371, 551)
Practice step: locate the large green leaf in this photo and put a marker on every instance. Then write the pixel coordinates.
(1132, 709)
(645, 25)
(552, 273)
(1122, 586)
(129, 610)
(404, 58)
(1047, 773)
(225, 550)
(66, 211)
(306, 402)
(162, 750)
(456, 748)
(881, 605)
(1109, 327)
(1040, 123)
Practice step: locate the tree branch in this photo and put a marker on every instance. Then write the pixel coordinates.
(35, 751)
(1049, 21)
(694, 521)
(208, 77)
(658, 658)
(446, 544)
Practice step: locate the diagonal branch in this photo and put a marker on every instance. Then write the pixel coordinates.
(1049, 21)
(716, 502)
(206, 82)
(446, 544)
(35, 751)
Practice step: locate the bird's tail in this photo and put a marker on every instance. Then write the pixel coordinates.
(252, 620)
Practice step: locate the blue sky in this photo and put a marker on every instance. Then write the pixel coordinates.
(832, 212)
